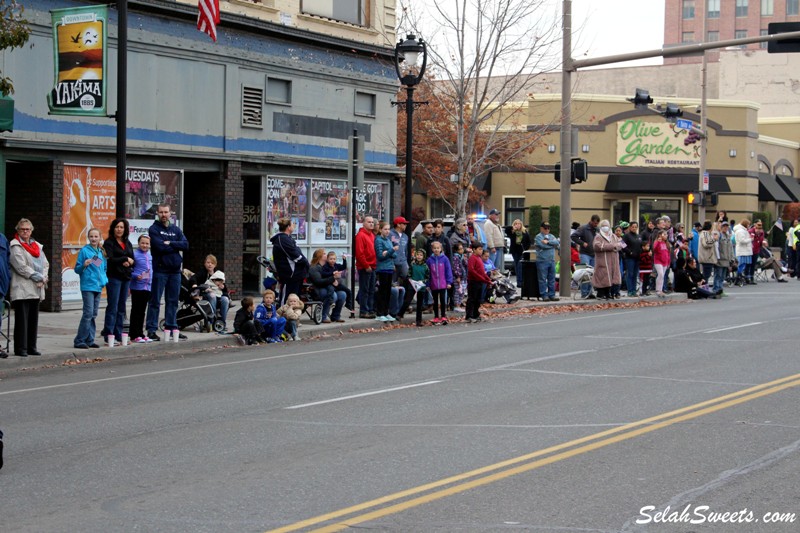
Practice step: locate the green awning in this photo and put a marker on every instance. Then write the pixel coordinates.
(6, 113)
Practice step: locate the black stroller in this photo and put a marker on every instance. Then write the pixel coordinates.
(503, 288)
(195, 311)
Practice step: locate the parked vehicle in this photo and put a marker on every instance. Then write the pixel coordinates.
(480, 220)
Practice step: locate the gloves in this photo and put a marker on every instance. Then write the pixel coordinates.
(37, 277)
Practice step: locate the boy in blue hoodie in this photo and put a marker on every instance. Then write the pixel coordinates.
(267, 316)
(91, 267)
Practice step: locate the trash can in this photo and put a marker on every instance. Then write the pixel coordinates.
(530, 279)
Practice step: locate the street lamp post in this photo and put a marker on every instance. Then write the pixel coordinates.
(408, 52)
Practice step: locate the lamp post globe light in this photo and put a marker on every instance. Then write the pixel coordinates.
(408, 52)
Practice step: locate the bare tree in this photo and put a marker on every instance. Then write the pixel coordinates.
(485, 56)
(14, 32)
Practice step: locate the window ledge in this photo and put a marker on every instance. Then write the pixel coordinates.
(336, 23)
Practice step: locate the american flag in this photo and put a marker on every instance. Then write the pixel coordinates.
(208, 17)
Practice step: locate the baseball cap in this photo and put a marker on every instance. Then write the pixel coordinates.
(400, 220)
(546, 225)
(494, 212)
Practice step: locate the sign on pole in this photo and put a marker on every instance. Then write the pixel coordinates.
(705, 181)
(684, 124)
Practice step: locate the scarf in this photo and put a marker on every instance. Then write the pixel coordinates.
(32, 247)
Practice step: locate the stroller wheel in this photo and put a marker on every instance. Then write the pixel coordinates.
(316, 314)
(219, 326)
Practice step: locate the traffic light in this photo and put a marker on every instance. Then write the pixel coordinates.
(710, 199)
(672, 111)
(580, 171)
(695, 198)
(641, 98)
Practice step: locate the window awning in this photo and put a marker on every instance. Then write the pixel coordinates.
(791, 185)
(662, 183)
(769, 190)
(6, 113)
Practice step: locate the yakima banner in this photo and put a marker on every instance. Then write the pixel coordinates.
(79, 37)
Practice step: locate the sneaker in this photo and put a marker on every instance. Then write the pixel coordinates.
(379, 319)
(153, 336)
(139, 340)
(459, 310)
(94, 345)
(277, 339)
(296, 338)
(240, 340)
(389, 318)
(182, 337)
(443, 322)
(436, 321)
(81, 346)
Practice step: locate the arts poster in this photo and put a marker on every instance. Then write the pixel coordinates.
(330, 202)
(80, 37)
(287, 198)
(90, 201)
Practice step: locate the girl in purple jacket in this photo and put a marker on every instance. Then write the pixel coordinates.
(441, 281)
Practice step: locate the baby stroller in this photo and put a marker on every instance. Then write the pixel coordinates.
(313, 306)
(194, 311)
(503, 288)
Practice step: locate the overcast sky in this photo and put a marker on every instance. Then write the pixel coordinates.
(609, 27)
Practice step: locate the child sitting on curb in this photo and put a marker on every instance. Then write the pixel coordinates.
(291, 311)
(246, 329)
(266, 316)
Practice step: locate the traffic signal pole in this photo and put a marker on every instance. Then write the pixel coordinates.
(570, 65)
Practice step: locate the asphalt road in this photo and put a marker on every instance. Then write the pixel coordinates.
(577, 422)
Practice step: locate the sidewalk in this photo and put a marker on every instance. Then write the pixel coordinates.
(57, 330)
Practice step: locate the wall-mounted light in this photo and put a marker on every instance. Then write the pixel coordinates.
(551, 148)
(732, 152)
(585, 148)
(752, 154)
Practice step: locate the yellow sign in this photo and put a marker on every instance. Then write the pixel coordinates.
(654, 144)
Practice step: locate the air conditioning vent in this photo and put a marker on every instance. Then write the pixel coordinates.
(252, 110)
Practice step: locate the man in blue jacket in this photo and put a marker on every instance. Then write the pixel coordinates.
(5, 282)
(167, 241)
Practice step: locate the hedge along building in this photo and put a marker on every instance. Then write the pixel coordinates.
(640, 168)
(232, 134)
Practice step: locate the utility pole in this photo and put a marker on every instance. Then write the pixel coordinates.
(565, 253)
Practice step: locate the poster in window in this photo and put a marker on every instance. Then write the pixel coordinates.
(329, 211)
(145, 189)
(371, 200)
(287, 198)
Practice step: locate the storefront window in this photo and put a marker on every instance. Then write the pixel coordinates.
(652, 208)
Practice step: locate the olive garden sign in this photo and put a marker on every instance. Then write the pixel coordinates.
(654, 144)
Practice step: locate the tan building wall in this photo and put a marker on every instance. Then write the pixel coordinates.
(632, 186)
(378, 27)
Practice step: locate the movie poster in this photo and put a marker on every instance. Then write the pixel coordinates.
(145, 188)
(329, 212)
(371, 200)
(287, 198)
(79, 36)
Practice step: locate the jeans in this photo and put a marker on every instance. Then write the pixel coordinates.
(518, 271)
(396, 300)
(291, 328)
(331, 297)
(168, 285)
(87, 326)
(224, 304)
(631, 274)
(546, 272)
(497, 258)
(366, 291)
(708, 269)
(117, 295)
(720, 273)
(587, 259)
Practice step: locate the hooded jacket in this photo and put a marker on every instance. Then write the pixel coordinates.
(441, 272)
(365, 250)
(167, 257)
(93, 277)
(289, 260)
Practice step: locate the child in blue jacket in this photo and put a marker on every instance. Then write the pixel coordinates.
(266, 315)
(91, 267)
(441, 281)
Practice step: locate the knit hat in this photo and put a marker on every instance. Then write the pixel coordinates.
(421, 251)
(218, 275)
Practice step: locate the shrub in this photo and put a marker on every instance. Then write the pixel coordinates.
(554, 218)
(534, 219)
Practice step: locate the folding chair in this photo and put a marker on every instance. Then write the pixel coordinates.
(761, 274)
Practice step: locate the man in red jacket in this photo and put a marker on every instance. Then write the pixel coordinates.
(366, 262)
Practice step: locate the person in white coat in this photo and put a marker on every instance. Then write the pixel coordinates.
(29, 268)
(744, 251)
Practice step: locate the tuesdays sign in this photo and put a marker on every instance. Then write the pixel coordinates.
(79, 37)
(654, 144)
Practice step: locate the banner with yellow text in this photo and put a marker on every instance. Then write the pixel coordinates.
(79, 37)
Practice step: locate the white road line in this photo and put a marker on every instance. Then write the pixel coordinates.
(362, 395)
(734, 327)
(454, 331)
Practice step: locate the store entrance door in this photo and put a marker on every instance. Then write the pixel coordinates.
(653, 208)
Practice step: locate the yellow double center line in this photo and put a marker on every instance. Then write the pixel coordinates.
(400, 501)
